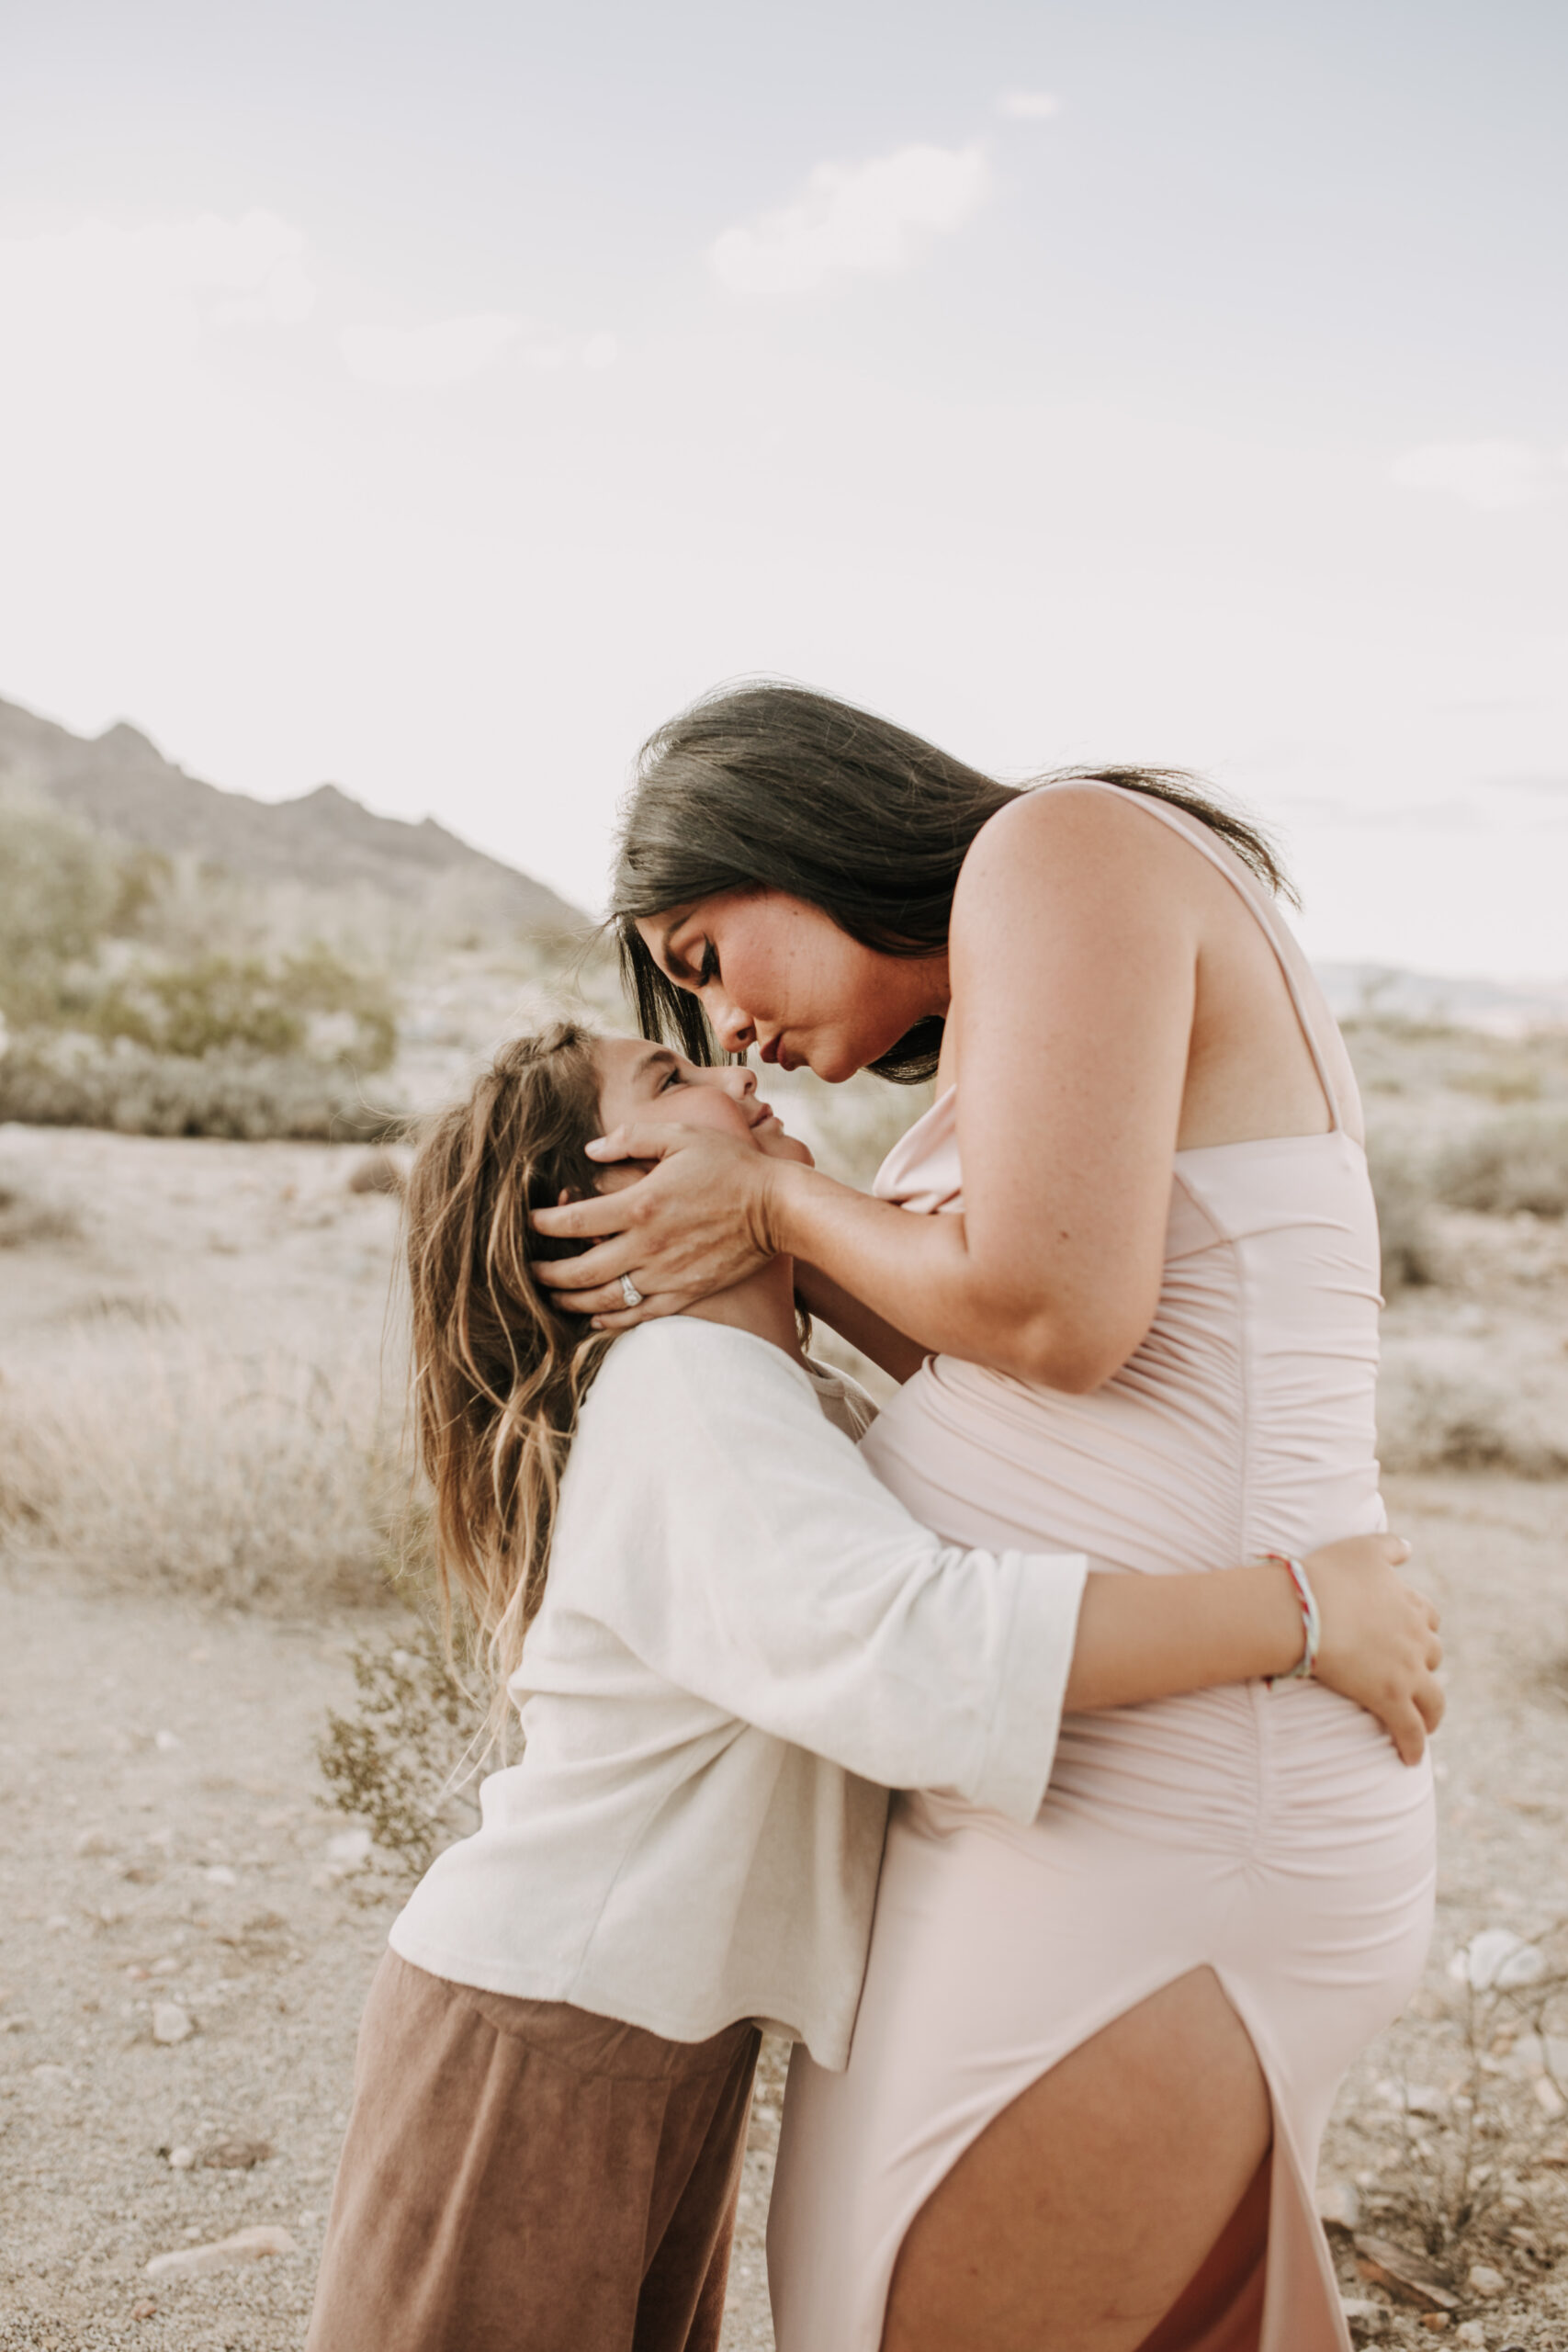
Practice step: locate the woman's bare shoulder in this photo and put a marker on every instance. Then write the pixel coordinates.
(1064, 838)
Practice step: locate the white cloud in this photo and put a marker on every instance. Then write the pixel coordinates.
(143, 297)
(876, 216)
(448, 351)
(600, 351)
(1028, 106)
(1488, 474)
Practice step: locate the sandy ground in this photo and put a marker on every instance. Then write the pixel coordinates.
(165, 1841)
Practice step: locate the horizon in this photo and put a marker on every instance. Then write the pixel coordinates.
(1548, 986)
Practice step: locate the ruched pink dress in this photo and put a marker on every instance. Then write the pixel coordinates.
(1270, 1835)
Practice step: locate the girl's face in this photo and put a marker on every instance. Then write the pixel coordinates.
(776, 973)
(650, 1085)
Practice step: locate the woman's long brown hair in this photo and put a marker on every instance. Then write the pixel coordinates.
(499, 1371)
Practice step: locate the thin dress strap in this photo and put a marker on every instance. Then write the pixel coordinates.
(1306, 996)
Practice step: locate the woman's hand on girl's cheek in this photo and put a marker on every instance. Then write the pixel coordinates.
(698, 1223)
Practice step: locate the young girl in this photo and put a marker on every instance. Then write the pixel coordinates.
(740, 1643)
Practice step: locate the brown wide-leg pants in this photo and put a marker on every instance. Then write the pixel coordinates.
(523, 2177)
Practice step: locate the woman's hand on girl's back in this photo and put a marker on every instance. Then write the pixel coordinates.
(1379, 1640)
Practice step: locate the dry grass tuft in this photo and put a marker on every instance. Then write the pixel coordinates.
(25, 1221)
(257, 1481)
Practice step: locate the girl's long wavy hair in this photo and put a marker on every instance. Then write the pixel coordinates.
(500, 1370)
(777, 787)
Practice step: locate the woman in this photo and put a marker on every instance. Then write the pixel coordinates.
(1095, 2056)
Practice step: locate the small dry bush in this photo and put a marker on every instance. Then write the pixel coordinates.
(76, 1082)
(145, 1459)
(401, 1763)
(1519, 1162)
(1478, 2182)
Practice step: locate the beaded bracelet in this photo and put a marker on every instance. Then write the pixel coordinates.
(1312, 1625)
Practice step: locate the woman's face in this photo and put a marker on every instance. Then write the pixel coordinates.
(651, 1086)
(776, 973)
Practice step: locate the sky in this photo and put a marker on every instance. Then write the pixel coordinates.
(433, 399)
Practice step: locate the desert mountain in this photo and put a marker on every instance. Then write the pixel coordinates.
(119, 784)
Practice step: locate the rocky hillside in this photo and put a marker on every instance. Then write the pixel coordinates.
(119, 784)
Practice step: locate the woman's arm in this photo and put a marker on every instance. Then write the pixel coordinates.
(1151, 1637)
(1074, 959)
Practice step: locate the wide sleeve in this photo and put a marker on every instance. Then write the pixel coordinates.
(737, 1544)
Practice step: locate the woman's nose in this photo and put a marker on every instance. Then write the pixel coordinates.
(738, 1080)
(734, 1029)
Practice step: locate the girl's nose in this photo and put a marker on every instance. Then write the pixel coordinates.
(739, 1081)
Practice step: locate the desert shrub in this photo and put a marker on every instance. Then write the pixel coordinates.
(59, 893)
(75, 1081)
(1514, 1163)
(310, 1003)
(399, 1762)
(154, 1459)
(1402, 1187)
(1445, 1409)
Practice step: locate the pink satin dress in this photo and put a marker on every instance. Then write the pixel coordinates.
(1270, 1835)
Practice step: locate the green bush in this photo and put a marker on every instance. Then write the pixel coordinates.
(59, 893)
(398, 1762)
(215, 1005)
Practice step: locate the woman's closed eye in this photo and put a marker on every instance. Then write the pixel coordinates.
(674, 1077)
(708, 969)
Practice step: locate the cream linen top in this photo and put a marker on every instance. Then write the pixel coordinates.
(744, 1643)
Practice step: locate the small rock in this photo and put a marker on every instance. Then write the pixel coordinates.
(235, 2155)
(1436, 2321)
(219, 1874)
(1498, 1960)
(1365, 2319)
(170, 2022)
(350, 1847)
(95, 1841)
(1485, 2281)
(57, 1921)
(181, 2159)
(1339, 2207)
(222, 2254)
(144, 2310)
(167, 1741)
(1549, 2098)
(1472, 2333)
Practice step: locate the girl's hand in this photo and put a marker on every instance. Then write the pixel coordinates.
(1378, 1642)
(697, 1222)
